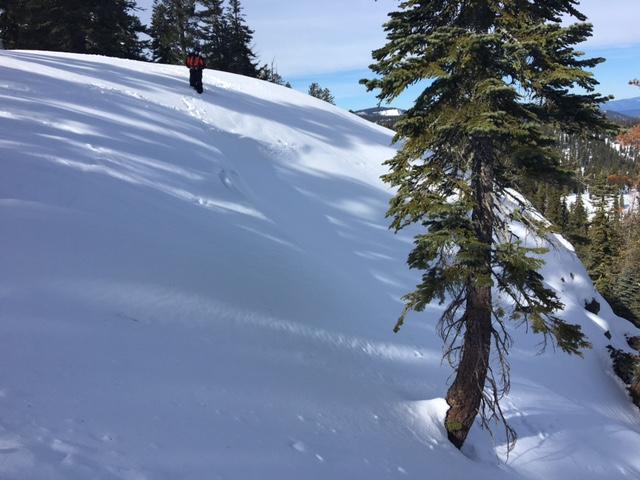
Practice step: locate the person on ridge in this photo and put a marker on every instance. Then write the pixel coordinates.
(196, 64)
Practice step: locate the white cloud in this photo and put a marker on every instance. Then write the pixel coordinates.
(616, 22)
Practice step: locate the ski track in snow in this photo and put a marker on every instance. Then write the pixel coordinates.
(204, 286)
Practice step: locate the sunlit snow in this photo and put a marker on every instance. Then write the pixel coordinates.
(204, 287)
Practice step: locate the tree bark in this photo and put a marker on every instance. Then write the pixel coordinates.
(465, 395)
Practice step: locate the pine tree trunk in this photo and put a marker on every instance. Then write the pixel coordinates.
(465, 395)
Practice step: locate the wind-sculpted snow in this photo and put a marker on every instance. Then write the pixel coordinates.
(201, 287)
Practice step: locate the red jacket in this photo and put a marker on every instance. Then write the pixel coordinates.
(195, 61)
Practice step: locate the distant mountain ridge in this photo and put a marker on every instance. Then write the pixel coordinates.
(382, 111)
(621, 118)
(385, 116)
(629, 107)
(626, 110)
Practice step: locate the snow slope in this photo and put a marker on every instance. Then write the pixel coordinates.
(631, 201)
(202, 287)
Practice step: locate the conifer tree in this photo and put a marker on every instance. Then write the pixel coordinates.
(615, 230)
(600, 256)
(501, 72)
(539, 198)
(556, 209)
(578, 226)
(113, 30)
(173, 30)
(213, 34)
(564, 215)
(66, 21)
(79, 26)
(45, 24)
(241, 58)
(270, 73)
(628, 283)
(163, 34)
(15, 21)
(183, 12)
(601, 192)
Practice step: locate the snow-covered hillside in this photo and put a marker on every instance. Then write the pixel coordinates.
(202, 287)
(631, 201)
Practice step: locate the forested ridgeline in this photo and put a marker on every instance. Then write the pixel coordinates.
(114, 29)
(598, 211)
(79, 26)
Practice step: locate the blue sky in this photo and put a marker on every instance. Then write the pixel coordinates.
(331, 42)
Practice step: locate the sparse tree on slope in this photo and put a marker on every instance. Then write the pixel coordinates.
(269, 73)
(600, 259)
(501, 72)
(325, 94)
(604, 238)
(628, 283)
(578, 226)
(556, 211)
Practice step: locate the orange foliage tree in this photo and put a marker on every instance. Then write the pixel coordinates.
(630, 138)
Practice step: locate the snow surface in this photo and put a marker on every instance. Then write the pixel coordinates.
(381, 111)
(631, 201)
(204, 287)
(392, 112)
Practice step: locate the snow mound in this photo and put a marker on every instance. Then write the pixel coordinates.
(204, 287)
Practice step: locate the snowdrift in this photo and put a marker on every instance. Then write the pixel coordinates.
(201, 287)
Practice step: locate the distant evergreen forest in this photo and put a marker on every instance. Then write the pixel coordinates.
(607, 173)
(112, 28)
(80, 26)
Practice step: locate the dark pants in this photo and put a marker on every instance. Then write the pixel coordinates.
(195, 79)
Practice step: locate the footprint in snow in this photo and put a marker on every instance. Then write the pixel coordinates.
(229, 178)
(299, 446)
